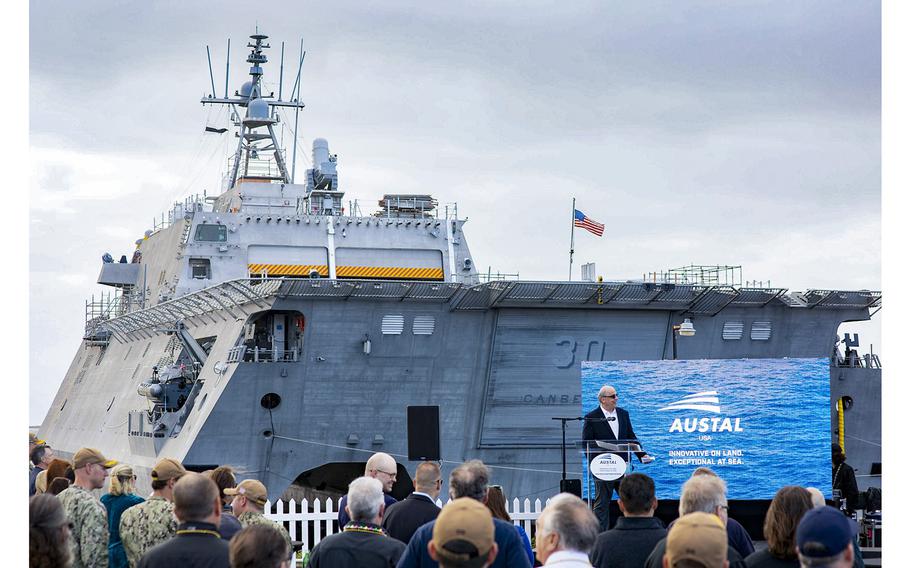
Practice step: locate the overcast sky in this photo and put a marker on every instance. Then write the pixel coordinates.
(698, 132)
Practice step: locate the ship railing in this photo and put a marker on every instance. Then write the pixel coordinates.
(853, 360)
(311, 520)
(266, 168)
(99, 310)
(235, 354)
(246, 354)
(262, 168)
(180, 210)
(490, 276)
(450, 211)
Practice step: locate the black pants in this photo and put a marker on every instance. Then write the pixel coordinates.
(602, 497)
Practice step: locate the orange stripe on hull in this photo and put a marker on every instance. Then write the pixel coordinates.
(390, 272)
(288, 269)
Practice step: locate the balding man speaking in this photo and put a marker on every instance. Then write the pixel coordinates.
(609, 423)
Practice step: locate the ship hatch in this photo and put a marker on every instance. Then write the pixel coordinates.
(332, 480)
(272, 336)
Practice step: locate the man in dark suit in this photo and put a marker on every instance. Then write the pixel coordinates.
(608, 422)
(380, 466)
(362, 543)
(402, 519)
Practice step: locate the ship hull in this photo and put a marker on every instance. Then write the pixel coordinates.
(498, 374)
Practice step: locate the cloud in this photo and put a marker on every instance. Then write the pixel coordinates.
(697, 132)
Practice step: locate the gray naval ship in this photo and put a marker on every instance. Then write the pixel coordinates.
(269, 328)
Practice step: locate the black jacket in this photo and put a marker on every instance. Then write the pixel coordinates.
(844, 478)
(343, 517)
(402, 519)
(196, 545)
(596, 428)
(356, 549)
(229, 524)
(628, 544)
(764, 559)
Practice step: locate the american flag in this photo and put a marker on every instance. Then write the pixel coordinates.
(589, 224)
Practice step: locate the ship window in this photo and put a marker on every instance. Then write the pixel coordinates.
(200, 268)
(761, 331)
(423, 325)
(733, 330)
(392, 324)
(211, 233)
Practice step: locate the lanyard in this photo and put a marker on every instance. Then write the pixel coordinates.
(199, 531)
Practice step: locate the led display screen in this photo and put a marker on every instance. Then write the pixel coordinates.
(759, 423)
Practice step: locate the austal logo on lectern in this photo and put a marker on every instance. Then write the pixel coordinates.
(707, 401)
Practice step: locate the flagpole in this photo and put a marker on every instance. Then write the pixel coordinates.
(572, 240)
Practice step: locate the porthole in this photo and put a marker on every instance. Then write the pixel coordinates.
(270, 401)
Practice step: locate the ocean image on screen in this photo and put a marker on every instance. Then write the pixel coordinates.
(759, 423)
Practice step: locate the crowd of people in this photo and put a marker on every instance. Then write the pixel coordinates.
(190, 519)
(208, 519)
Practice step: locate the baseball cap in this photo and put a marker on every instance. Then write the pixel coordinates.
(824, 532)
(33, 439)
(698, 536)
(252, 489)
(166, 469)
(86, 456)
(463, 533)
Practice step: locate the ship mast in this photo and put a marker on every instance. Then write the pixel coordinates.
(257, 134)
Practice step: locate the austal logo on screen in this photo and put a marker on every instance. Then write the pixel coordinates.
(707, 401)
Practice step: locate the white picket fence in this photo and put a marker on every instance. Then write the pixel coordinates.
(310, 527)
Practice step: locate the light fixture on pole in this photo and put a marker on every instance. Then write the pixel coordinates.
(685, 329)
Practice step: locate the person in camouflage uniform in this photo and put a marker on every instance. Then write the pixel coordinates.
(144, 525)
(249, 500)
(89, 536)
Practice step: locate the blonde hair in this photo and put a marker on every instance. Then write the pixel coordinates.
(122, 479)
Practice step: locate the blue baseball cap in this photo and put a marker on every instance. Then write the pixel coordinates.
(824, 532)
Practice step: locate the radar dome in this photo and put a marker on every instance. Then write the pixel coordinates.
(320, 151)
(246, 89)
(258, 109)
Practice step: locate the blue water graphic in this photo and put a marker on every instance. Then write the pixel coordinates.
(782, 406)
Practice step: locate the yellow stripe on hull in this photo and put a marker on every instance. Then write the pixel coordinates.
(288, 269)
(390, 272)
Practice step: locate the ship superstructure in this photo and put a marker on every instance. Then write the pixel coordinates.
(275, 330)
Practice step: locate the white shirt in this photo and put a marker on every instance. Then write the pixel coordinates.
(425, 495)
(614, 424)
(568, 559)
